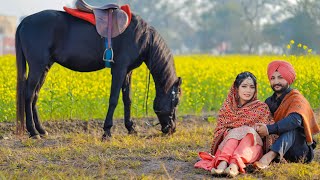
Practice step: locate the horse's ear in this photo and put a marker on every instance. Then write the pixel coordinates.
(179, 81)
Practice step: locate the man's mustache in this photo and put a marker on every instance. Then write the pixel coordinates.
(277, 85)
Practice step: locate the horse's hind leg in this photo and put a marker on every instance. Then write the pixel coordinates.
(126, 98)
(33, 84)
(36, 118)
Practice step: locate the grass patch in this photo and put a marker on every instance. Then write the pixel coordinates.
(148, 155)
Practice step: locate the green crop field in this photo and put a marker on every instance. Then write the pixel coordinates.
(206, 80)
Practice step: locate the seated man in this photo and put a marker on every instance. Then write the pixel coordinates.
(293, 116)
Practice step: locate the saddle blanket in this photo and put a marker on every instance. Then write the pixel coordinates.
(90, 16)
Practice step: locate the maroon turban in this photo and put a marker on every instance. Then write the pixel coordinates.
(284, 68)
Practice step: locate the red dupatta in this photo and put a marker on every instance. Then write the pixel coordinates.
(231, 116)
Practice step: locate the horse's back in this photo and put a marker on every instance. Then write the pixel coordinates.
(69, 41)
(36, 27)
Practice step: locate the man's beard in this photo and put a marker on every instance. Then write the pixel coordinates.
(282, 90)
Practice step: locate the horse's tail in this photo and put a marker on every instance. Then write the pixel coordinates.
(21, 84)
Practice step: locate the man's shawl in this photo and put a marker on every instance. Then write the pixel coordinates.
(295, 102)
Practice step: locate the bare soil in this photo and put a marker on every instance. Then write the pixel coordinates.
(155, 166)
(161, 166)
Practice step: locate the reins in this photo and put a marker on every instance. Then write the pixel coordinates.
(148, 75)
(147, 92)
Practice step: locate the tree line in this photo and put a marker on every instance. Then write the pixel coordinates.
(233, 26)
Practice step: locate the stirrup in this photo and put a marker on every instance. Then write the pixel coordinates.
(108, 55)
(109, 60)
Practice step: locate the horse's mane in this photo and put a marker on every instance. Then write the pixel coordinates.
(158, 56)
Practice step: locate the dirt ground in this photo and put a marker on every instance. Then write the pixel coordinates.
(172, 167)
(161, 166)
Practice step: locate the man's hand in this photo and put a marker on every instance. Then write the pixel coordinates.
(261, 129)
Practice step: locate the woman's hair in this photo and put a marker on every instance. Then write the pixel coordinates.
(244, 75)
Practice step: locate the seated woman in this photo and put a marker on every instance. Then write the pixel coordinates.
(235, 141)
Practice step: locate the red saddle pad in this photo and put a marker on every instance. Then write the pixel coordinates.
(90, 16)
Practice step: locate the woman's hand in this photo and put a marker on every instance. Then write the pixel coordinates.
(261, 129)
(225, 132)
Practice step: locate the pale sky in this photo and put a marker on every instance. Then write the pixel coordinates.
(26, 7)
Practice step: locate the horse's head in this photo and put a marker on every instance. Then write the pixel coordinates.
(165, 106)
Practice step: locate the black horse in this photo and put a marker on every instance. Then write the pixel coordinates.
(54, 36)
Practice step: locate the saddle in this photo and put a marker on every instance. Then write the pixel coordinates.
(108, 17)
(110, 22)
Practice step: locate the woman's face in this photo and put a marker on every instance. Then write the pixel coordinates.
(246, 91)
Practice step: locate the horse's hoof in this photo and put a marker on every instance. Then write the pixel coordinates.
(106, 136)
(35, 137)
(132, 131)
(45, 135)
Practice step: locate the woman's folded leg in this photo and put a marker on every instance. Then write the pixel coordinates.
(246, 152)
(226, 152)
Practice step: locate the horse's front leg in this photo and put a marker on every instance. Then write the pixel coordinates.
(118, 76)
(126, 98)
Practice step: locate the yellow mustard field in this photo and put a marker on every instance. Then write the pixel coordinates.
(206, 81)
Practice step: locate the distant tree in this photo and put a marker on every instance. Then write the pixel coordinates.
(168, 18)
(254, 13)
(220, 25)
(302, 26)
(238, 23)
(165, 15)
(230, 26)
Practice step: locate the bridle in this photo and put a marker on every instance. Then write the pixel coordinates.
(175, 98)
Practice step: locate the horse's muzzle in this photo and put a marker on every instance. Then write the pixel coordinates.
(167, 121)
(169, 129)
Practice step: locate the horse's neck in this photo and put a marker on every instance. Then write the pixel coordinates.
(157, 56)
(163, 74)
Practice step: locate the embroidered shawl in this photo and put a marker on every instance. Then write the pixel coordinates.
(231, 116)
(294, 101)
